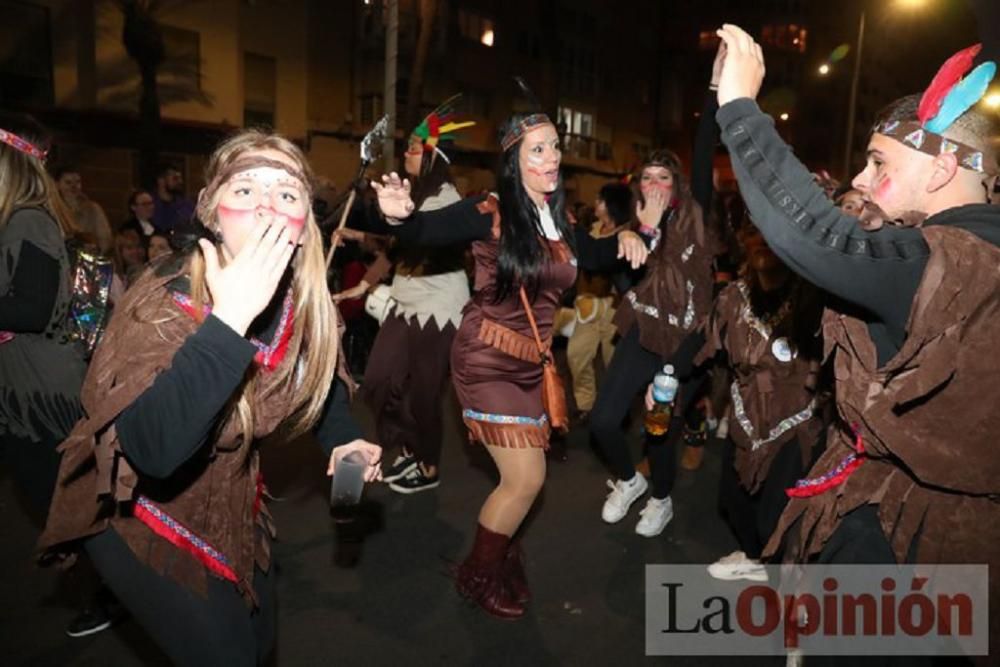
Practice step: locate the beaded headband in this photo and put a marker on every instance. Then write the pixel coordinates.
(515, 133)
(22, 145)
(240, 165)
(914, 135)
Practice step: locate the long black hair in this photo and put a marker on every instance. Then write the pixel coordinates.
(522, 251)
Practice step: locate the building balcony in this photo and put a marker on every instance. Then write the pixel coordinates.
(583, 151)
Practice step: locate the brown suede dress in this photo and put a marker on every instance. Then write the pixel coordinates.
(495, 362)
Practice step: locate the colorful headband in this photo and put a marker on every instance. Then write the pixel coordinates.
(237, 166)
(515, 133)
(945, 100)
(912, 134)
(438, 127)
(22, 145)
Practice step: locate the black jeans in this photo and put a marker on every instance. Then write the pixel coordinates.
(753, 517)
(218, 629)
(631, 370)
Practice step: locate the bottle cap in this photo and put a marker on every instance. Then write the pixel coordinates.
(668, 369)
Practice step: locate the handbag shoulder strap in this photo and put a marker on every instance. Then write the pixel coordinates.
(542, 351)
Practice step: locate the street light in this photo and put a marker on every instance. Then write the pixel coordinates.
(783, 116)
(853, 103)
(824, 69)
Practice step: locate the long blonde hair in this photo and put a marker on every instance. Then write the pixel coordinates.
(315, 335)
(23, 180)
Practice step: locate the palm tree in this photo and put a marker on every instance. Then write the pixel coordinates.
(143, 41)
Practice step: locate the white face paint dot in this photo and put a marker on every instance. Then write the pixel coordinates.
(267, 176)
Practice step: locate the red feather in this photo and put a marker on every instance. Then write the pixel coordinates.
(433, 124)
(951, 73)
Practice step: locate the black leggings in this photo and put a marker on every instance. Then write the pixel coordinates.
(33, 467)
(631, 370)
(218, 629)
(753, 518)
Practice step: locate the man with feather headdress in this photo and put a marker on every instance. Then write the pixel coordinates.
(912, 474)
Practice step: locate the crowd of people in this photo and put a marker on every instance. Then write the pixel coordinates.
(835, 339)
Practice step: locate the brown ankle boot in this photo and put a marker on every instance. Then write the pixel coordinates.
(481, 577)
(514, 566)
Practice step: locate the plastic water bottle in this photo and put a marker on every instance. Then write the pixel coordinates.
(664, 392)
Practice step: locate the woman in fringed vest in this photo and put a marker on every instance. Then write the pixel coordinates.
(230, 339)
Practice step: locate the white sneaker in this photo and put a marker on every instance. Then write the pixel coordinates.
(737, 566)
(622, 495)
(655, 517)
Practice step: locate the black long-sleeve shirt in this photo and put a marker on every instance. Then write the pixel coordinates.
(703, 157)
(879, 272)
(171, 421)
(27, 306)
(462, 222)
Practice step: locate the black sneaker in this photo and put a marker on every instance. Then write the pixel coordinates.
(402, 466)
(415, 482)
(94, 619)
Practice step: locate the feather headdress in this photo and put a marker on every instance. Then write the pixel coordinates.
(952, 92)
(440, 126)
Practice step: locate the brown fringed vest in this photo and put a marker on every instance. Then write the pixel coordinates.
(928, 421)
(676, 293)
(213, 520)
(774, 388)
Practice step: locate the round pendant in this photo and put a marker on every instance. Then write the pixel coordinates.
(783, 350)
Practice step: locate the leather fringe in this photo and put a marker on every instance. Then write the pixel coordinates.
(510, 342)
(514, 436)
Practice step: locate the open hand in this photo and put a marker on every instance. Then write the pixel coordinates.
(632, 249)
(743, 66)
(371, 452)
(394, 196)
(650, 212)
(720, 59)
(244, 287)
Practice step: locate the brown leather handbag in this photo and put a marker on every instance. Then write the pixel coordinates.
(553, 391)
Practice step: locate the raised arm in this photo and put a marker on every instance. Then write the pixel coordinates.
(706, 138)
(461, 222)
(879, 271)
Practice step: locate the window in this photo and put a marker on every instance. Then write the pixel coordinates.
(182, 65)
(259, 89)
(25, 55)
(476, 28)
(576, 122)
(371, 108)
(786, 37)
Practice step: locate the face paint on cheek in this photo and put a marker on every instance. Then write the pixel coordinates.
(884, 188)
(535, 163)
(236, 216)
